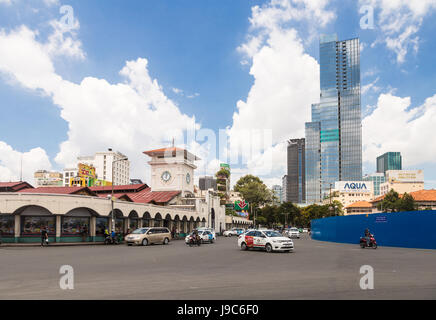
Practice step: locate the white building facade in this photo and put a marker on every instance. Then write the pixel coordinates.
(349, 192)
(403, 181)
(103, 161)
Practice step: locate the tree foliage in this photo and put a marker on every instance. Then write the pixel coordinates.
(392, 202)
(253, 190)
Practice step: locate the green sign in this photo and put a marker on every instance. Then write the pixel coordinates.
(224, 165)
(241, 205)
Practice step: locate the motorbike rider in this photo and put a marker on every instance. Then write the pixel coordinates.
(367, 236)
(195, 235)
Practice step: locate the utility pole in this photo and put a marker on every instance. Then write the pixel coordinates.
(112, 193)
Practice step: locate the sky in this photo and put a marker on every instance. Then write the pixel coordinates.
(229, 80)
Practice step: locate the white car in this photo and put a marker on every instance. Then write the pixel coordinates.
(305, 230)
(212, 231)
(265, 239)
(293, 233)
(205, 236)
(233, 232)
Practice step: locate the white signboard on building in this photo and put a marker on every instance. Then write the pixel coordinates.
(405, 175)
(354, 186)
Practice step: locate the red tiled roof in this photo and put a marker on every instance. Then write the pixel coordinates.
(59, 190)
(15, 186)
(421, 196)
(360, 204)
(147, 196)
(424, 195)
(129, 187)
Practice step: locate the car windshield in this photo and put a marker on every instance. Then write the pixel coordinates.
(294, 229)
(140, 231)
(272, 234)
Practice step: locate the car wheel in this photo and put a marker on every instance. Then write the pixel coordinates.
(244, 246)
(230, 234)
(166, 241)
(144, 242)
(129, 244)
(268, 248)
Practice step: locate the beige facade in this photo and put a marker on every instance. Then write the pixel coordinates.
(403, 181)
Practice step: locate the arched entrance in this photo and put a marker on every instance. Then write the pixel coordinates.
(146, 220)
(32, 220)
(120, 221)
(76, 225)
(167, 221)
(212, 218)
(133, 221)
(157, 220)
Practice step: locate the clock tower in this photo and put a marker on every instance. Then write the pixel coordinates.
(172, 169)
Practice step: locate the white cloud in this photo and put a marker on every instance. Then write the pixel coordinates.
(399, 22)
(59, 43)
(177, 91)
(286, 81)
(130, 117)
(395, 126)
(10, 163)
(371, 86)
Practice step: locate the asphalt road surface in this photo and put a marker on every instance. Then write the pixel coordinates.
(316, 270)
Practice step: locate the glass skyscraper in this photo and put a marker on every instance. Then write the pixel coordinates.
(389, 161)
(334, 136)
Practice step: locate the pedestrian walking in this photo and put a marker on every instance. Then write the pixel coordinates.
(84, 233)
(44, 236)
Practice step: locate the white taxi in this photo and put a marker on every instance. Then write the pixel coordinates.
(205, 236)
(265, 239)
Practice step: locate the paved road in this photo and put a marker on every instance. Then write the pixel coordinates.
(316, 270)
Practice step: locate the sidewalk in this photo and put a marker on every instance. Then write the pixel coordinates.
(52, 244)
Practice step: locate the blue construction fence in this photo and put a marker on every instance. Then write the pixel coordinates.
(414, 229)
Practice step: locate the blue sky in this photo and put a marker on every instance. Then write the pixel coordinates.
(195, 51)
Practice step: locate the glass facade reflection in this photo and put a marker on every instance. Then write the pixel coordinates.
(334, 137)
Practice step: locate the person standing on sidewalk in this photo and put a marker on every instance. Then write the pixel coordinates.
(44, 236)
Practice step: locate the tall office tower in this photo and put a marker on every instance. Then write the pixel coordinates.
(389, 161)
(206, 183)
(295, 181)
(334, 136)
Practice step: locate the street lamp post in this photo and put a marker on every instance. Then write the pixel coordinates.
(112, 193)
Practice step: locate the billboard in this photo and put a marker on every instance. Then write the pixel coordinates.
(355, 186)
(86, 171)
(405, 175)
(241, 205)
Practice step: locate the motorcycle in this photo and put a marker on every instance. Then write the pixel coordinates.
(364, 243)
(194, 240)
(112, 240)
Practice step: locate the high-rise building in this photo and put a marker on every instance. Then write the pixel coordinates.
(377, 179)
(207, 182)
(389, 161)
(334, 136)
(296, 172)
(278, 193)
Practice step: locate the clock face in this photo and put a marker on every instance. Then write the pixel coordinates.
(166, 176)
(188, 178)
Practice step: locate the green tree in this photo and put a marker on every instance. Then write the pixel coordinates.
(253, 190)
(291, 213)
(223, 172)
(407, 203)
(391, 202)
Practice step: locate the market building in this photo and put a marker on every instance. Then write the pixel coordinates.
(73, 214)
